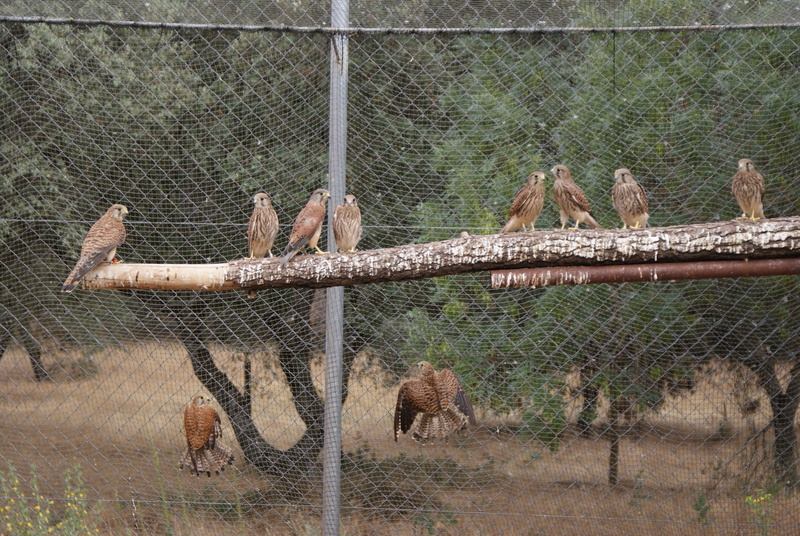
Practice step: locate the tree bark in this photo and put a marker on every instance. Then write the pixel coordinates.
(614, 438)
(784, 403)
(295, 336)
(729, 240)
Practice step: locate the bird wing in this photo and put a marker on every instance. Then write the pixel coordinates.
(518, 202)
(577, 198)
(642, 196)
(202, 424)
(408, 405)
(463, 404)
(450, 391)
(102, 240)
(306, 224)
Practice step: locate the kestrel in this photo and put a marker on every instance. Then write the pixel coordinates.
(204, 453)
(262, 230)
(308, 226)
(629, 199)
(440, 398)
(347, 224)
(527, 204)
(571, 200)
(748, 189)
(100, 245)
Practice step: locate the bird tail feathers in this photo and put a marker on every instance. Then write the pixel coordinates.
(440, 425)
(591, 222)
(207, 460)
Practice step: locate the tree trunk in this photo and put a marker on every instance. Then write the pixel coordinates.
(784, 404)
(295, 465)
(614, 439)
(589, 408)
(35, 355)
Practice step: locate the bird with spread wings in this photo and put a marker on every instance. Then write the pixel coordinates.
(204, 452)
(100, 245)
(440, 398)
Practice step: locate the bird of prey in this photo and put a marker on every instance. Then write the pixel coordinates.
(204, 452)
(629, 199)
(441, 400)
(527, 204)
(100, 245)
(347, 224)
(308, 226)
(748, 189)
(262, 230)
(571, 200)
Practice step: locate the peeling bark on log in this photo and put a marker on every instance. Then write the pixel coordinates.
(631, 273)
(729, 240)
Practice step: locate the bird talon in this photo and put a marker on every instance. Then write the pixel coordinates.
(116, 261)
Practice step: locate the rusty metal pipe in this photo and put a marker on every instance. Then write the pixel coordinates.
(630, 273)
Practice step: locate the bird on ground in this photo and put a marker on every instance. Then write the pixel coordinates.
(100, 245)
(262, 230)
(571, 200)
(527, 204)
(629, 199)
(204, 452)
(347, 224)
(308, 226)
(441, 400)
(748, 189)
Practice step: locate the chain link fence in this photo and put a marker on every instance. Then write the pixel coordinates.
(644, 408)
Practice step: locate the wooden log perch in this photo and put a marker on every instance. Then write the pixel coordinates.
(728, 240)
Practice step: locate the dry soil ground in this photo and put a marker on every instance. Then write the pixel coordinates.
(122, 424)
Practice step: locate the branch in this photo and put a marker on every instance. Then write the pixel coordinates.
(729, 240)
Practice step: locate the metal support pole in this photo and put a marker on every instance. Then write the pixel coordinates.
(334, 310)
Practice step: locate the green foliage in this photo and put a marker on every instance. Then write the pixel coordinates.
(760, 506)
(545, 418)
(32, 514)
(703, 508)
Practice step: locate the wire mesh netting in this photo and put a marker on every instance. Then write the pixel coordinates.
(606, 409)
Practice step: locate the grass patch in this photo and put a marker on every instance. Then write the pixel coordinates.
(406, 486)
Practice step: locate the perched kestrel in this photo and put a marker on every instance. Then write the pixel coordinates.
(629, 199)
(100, 244)
(527, 204)
(204, 453)
(571, 200)
(262, 230)
(347, 224)
(440, 398)
(748, 189)
(308, 226)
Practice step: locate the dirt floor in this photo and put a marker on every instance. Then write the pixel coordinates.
(117, 415)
